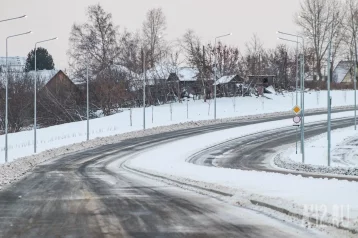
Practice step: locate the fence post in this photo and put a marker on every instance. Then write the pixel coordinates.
(187, 109)
(171, 112)
(130, 116)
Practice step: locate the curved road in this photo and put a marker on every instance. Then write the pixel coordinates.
(79, 195)
(254, 152)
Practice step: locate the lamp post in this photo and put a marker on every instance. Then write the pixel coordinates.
(144, 78)
(355, 85)
(329, 103)
(14, 18)
(6, 93)
(215, 71)
(87, 98)
(302, 92)
(35, 91)
(297, 67)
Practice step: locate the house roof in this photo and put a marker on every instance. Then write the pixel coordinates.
(187, 74)
(44, 75)
(226, 79)
(341, 71)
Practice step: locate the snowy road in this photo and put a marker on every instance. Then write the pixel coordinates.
(88, 194)
(254, 152)
(81, 196)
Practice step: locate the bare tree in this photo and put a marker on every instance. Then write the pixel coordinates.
(94, 42)
(20, 110)
(153, 30)
(130, 51)
(321, 21)
(254, 52)
(351, 23)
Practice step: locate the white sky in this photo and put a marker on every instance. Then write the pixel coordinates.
(208, 18)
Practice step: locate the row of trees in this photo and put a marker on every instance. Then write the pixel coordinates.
(114, 59)
(99, 43)
(321, 21)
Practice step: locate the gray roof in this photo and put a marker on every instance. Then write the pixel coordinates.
(186, 74)
(227, 79)
(341, 71)
(44, 75)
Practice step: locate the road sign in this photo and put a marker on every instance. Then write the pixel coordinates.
(296, 109)
(296, 119)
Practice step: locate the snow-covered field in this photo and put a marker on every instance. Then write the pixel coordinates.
(331, 201)
(21, 144)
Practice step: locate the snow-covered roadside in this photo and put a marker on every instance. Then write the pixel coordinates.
(344, 149)
(16, 169)
(21, 144)
(330, 201)
(344, 154)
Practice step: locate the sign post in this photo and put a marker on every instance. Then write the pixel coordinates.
(296, 120)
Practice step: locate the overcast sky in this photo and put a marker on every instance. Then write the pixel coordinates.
(208, 18)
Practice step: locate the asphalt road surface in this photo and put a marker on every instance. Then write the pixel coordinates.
(253, 152)
(78, 195)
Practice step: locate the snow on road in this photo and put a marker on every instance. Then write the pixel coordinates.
(21, 144)
(294, 193)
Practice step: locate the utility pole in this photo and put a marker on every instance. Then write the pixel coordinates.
(144, 78)
(329, 103)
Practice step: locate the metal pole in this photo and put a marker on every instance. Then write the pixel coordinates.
(6, 95)
(297, 75)
(152, 113)
(329, 103)
(303, 101)
(171, 112)
(14, 18)
(6, 99)
(355, 91)
(130, 116)
(144, 78)
(35, 93)
(296, 138)
(187, 109)
(87, 105)
(215, 69)
(35, 102)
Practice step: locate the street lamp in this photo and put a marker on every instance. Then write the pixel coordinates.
(35, 91)
(297, 70)
(14, 18)
(144, 79)
(355, 85)
(6, 92)
(215, 71)
(302, 92)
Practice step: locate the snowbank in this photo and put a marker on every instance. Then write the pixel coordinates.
(21, 144)
(344, 154)
(344, 149)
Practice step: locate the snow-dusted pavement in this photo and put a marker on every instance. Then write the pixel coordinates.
(331, 201)
(95, 192)
(91, 194)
